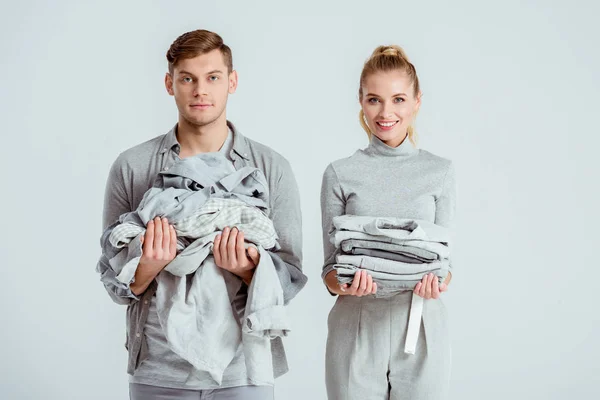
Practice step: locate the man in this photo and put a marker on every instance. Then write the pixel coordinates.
(200, 78)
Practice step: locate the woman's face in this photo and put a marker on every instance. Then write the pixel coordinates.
(389, 105)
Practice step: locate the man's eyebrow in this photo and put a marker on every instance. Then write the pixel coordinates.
(184, 72)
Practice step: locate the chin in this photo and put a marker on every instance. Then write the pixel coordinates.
(386, 136)
(200, 121)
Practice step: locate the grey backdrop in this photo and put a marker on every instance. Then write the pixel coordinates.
(510, 94)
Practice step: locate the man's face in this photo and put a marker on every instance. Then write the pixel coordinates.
(200, 86)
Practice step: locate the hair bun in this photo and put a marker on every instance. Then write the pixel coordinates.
(392, 50)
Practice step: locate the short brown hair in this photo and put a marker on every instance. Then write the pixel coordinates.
(194, 43)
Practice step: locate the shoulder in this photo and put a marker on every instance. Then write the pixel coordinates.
(441, 164)
(139, 156)
(345, 164)
(267, 158)
(429, 157)
(438, 168)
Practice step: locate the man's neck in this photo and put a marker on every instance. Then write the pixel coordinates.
(201, 139)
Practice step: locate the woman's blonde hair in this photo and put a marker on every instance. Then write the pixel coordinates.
(385, 59)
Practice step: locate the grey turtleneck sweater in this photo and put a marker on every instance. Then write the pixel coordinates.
(382, 181)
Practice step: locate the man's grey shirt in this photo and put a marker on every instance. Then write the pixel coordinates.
(134, 172)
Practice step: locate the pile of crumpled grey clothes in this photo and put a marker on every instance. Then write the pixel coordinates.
(396, 252)
(200, 196)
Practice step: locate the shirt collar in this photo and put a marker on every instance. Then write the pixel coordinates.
(170, 141)
(406, 148)
(240, 143)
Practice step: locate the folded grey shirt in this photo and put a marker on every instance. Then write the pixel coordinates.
(390, 266)
(349, 245)
(404, 229)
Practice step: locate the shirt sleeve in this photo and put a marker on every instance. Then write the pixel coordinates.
(333, 204)
(115, 203)
(287, 220)
(445, 203)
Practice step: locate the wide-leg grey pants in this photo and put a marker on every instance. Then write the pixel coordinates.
(365, 357)
(146, 392)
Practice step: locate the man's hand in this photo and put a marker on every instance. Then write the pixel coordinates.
(230, 254)
(159, 244)
(159, 248)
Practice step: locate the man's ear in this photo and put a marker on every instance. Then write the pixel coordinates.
(233, 81)
(169, 83)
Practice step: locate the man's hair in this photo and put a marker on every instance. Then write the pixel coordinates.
(195, 43)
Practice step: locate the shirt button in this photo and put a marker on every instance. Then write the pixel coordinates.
(137, 334)
(145, 301)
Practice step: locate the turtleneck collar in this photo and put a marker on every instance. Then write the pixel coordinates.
(405, 149)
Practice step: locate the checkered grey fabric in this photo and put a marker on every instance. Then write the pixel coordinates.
(214, 216)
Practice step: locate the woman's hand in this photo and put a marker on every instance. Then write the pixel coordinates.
(362, 285)
(429, 288)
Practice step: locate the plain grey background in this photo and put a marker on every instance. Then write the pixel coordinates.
(510, 94)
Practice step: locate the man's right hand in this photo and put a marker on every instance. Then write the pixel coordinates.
(159, 244)
(159, 248)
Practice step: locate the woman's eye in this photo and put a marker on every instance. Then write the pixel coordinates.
(373, 100)
(398, 99)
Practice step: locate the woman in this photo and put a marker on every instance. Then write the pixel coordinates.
(366, 357)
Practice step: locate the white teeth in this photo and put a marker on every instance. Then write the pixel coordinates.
(387, 124)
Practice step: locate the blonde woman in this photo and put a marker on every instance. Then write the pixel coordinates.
(365, 357)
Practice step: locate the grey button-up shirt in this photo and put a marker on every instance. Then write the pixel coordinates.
(134, 172)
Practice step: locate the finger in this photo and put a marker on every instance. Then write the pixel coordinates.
(240, 250)
(173, 242)
(363, 283)
(166, 243)
(435, 291)
(149, 237)
(428, 286)
(422, 288)
(158, 235)
(217, 250)
(254, 255)
(223, 245)
(344, 288)
(374, 288)
(369, 288)
(231, 256)
(355, 282)
(443, 287)
(417, 290)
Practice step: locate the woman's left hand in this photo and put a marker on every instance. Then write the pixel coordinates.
(429, 288)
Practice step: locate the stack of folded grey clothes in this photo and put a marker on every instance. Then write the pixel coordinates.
(396, 252)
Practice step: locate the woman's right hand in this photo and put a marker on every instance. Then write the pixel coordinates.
(362, 285)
